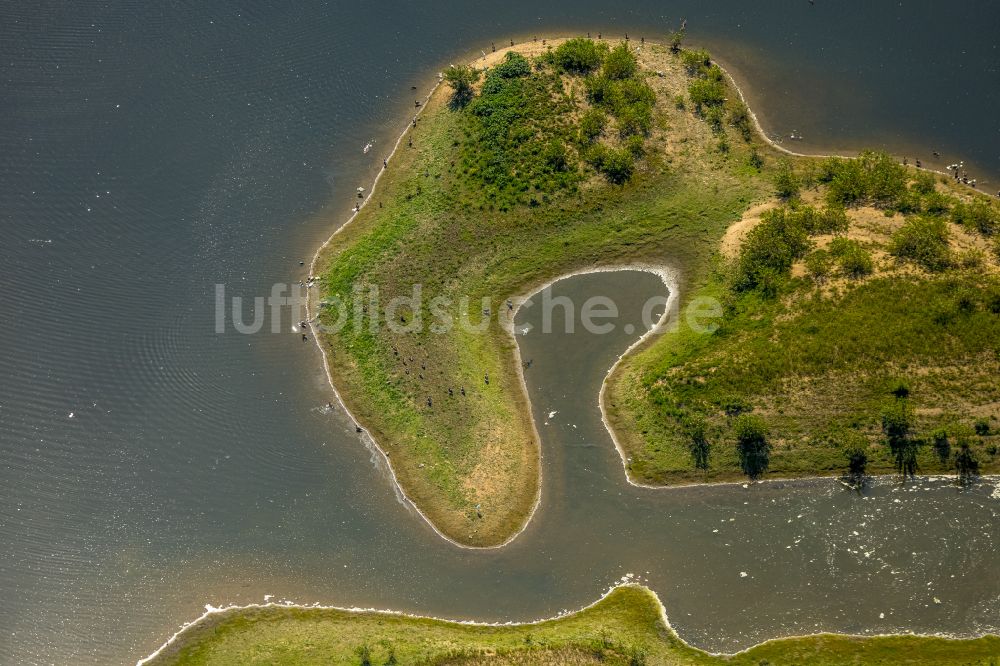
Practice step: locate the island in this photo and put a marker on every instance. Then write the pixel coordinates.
(849, 324)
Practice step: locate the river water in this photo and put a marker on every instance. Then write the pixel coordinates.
(149, 466)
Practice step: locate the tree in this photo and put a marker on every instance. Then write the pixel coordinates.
(579, 55)
(924, 241)
(966, 464)
(675, 38)
(698, 443)
(897, 425)
(704, 92)
(786, 183)
(461, 78)
(751, 444)
(941, 444)
(857, 465)
(620, 63)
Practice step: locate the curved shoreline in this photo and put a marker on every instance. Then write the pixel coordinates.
(627, 581)
(668, 276)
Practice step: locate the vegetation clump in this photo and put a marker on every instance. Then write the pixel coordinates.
(852, 258)
(516, 128)
(461, 78)
(579, 55)
(873, 178)
(923, 241)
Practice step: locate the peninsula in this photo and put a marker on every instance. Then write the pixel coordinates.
(857, 332)
(855, 293)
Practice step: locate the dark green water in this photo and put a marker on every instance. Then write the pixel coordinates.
(148, 153)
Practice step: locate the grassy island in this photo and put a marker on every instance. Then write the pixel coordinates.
(860, 297)
(624, 628)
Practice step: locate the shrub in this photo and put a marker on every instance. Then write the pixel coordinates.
(856, 452)
(935, 203)
(971, 258)
(755, 160)
(698, 442)
(704, 92)
(739, 118)
(617, 165)
(978, 215)
(620, 63)
(510, 127)
(982, 427)
(714, 118)
(924, 241)
(696, 61)
(769, 250)
(461, 78)
(592, 125)
(941, 444)
(819, 265)
(635, 145)
(579, 55)
(629, 100)
(514, 65)
(897, 425)
(674, 39)
(872, 177)
(966, 464)
(752, 446)
(786, 183)
(679, 103)
(923, 183)
(854, 260)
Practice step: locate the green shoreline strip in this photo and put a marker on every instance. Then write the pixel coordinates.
(626, 627)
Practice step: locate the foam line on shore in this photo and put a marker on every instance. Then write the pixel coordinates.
(627, 581)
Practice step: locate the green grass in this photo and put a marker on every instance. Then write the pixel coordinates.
(491, 223)
(625, 628)
(819, 362)
(521, 185)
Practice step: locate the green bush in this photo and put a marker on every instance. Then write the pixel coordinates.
(461, 78)
(513, 65)
(739, 118)
(819, 265)
(978, 214)
(620, 63)
(854, 260)
(704, 92)
(871, 178)
(752, 446)
(511, 127)
(592, 125)
(629, 100)
(635, 145)
(769, 250)
(617, 165)
(786, 182)
(935, 203)
(696, 61)
(714, 117)
(923, 183)
(924, 241)
(579, 55)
